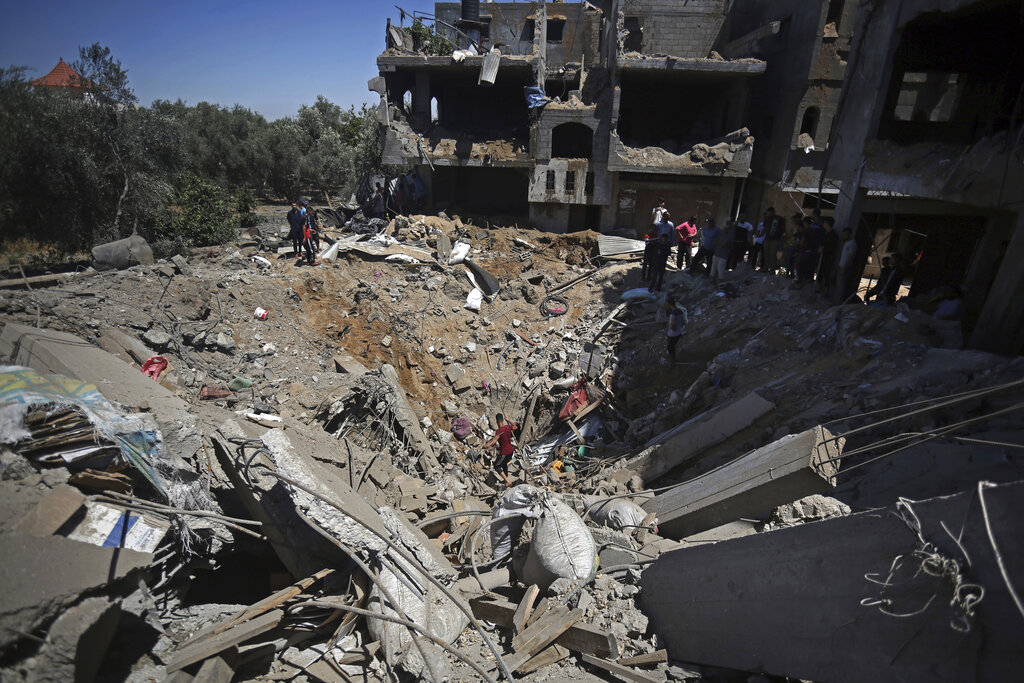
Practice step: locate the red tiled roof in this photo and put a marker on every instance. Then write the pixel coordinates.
(61, 76)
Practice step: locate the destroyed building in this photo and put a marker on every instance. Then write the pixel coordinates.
(235, 465)
(641, 101)
(632, 106)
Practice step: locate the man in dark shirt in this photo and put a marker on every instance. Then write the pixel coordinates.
(659, 259)
(503, 437)
(295, 223)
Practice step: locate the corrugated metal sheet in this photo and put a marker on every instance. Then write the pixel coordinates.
(489, 69)
(612, 245)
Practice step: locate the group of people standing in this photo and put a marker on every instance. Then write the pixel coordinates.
(304, 231)
(810, 249)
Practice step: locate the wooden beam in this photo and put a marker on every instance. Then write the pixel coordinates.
(540, 634)
(619, 671)
(524, 610)
(198, 650)
(656, 657)
(578, 638)
(546, 657)
(789, 469)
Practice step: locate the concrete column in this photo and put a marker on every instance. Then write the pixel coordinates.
(421, 99)
(1000, 328)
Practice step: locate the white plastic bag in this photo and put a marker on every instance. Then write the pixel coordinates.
(460, 250)
(474, 300)
(617, 513)
(516, 504)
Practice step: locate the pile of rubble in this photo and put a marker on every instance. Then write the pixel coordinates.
(240, 466)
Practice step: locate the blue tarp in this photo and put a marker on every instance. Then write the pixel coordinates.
(535, 96)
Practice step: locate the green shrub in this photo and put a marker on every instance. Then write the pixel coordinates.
(201, 213)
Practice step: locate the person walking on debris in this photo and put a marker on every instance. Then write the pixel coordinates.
(675, 329)
(650, 242)
(659, 259)
(707, 236)
(656, 212)
(503, 437)
(740, 246)
(684, 239)
(296, 218)
(772, 228)
(883, 277)
(793, 240)
(310, 238)
(377, 207)
(757, 240)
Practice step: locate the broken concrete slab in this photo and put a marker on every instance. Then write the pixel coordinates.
(40, 576)
(791, 468)
(60, 353)
(52, 512)
(681, 444)
(345, 363)
(76, 643)
(810, 601)
(484, 280)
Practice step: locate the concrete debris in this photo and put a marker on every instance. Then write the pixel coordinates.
(313, 491)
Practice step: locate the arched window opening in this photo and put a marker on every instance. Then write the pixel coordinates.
(809, 124)
(435, 114)
(407, 101)
(572, 141)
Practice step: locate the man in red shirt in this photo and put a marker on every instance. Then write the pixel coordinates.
(503, 437)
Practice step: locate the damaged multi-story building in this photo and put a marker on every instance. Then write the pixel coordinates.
(901, 119)
(638, 108)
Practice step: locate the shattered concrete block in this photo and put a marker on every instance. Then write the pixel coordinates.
(181, 264)
(454, 373)
(157, 338)
(225, 343)
(76, 643)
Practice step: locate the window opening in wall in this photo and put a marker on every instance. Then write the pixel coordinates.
(434, 113)
(529, 27)
(485, 27)
(634, 35)
(407, 101)
(570, 182)
(809, 123)
(556, 29)
(571, 141)
(549, 181)
(588, 189)
(928, 96)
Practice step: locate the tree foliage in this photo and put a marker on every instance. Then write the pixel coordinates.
(87, 165)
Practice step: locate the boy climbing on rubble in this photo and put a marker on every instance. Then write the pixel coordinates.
(503, 437)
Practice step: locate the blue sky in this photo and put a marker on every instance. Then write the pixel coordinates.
(268, 56)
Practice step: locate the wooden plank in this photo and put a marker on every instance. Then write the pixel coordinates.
(549, 655)
(524, 610)
(791, 468)
(216, 670)
(198, 650)
(656, 657)
(541, 608)
(264, 605)
(541, 634)
(579, 637)
(621, 672)
(788, 602)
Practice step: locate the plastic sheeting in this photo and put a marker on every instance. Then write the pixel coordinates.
(134, 434)
(535, 96)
